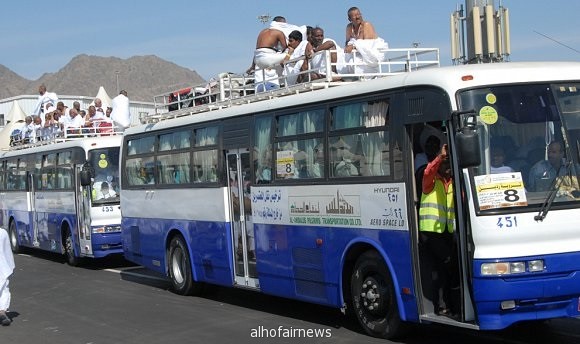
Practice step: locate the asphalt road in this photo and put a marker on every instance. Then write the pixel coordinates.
(112, 301)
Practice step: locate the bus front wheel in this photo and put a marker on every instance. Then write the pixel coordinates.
(14, 238)
(373, 297)
(69, 249)
(180, 272)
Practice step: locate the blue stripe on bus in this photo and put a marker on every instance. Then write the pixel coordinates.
(289, 262)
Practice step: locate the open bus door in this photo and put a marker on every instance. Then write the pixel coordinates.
(461, 293)
(83, 204)
(243, 245)
(32, 209)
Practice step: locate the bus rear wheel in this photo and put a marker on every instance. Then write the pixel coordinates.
(14, 238)
(373, 297)
(180, 272)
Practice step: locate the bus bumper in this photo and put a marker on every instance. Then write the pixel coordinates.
(504, 300)
(106, 244)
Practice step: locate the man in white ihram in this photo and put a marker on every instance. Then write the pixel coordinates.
(6, 269)
(121, 115)
(361, 35)
(44, 97)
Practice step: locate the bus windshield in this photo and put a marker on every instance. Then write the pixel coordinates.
(105, 164)
(530, 141)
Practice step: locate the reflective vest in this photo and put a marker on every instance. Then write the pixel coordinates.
(437, 211)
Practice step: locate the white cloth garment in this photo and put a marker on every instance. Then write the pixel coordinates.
(318, 61)
(6, 269)
(4, 296)
(292, 69)
(266, 57)
(47, 97)
(368, 54)
(121, 115)
(288, 28)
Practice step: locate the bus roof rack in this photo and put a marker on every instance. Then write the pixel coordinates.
(69, 134)
(230, 89)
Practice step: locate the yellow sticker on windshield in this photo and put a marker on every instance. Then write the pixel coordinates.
(103, 163)
(490, 98)
(488, 115)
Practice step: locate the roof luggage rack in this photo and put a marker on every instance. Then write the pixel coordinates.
(230, 89)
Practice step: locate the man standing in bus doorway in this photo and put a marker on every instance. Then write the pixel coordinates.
(436, 226)
(6, 269)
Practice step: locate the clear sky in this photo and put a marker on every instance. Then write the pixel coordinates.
(212, 36)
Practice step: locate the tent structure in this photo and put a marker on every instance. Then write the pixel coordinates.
(15, 114)
(104, 97)
(15, 119)
(5, 133)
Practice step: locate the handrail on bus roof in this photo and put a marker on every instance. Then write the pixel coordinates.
(68, 134)
(231, 89)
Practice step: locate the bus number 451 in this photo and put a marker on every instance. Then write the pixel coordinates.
(507, 221)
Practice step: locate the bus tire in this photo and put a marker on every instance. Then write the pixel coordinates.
(373, 297)
(179, 266)
(13, 238)
(69, 249)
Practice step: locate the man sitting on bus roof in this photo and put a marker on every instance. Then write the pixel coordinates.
(270, 52)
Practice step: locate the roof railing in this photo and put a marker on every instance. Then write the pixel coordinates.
(44, 138)
(231, 89)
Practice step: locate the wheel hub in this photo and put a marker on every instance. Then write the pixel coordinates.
(371, 295)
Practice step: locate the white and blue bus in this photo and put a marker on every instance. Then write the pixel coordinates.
(63, 197)
(313, 195)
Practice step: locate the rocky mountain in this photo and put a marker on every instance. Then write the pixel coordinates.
(142, 76)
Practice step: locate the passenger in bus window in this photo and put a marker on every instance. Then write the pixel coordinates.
(263, 167)
(543, 173)
(6, 269)
(145, 176)
(436, 232)
(343, 159)
(317, 170)
(103, 192)
(498, 161)
(300, 165)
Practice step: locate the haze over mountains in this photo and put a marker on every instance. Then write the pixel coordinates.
(142, 76)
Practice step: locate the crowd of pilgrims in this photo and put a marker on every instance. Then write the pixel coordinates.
(51, 119)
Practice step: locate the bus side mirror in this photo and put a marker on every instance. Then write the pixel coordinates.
(85, 178)
(467, 143)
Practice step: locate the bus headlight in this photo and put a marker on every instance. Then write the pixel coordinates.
(536, 265)
(106, 229)
(512, 268)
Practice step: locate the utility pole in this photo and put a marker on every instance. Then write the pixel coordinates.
(117, 77)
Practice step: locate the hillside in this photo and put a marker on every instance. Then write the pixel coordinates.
(142, 76)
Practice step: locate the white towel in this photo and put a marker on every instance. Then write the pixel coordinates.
(287, 28)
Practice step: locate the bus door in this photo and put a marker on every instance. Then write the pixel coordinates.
(432, 271)
(32, 210)
(243, 245)
(83, 205)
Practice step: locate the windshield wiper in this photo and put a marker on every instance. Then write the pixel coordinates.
(554, 188)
